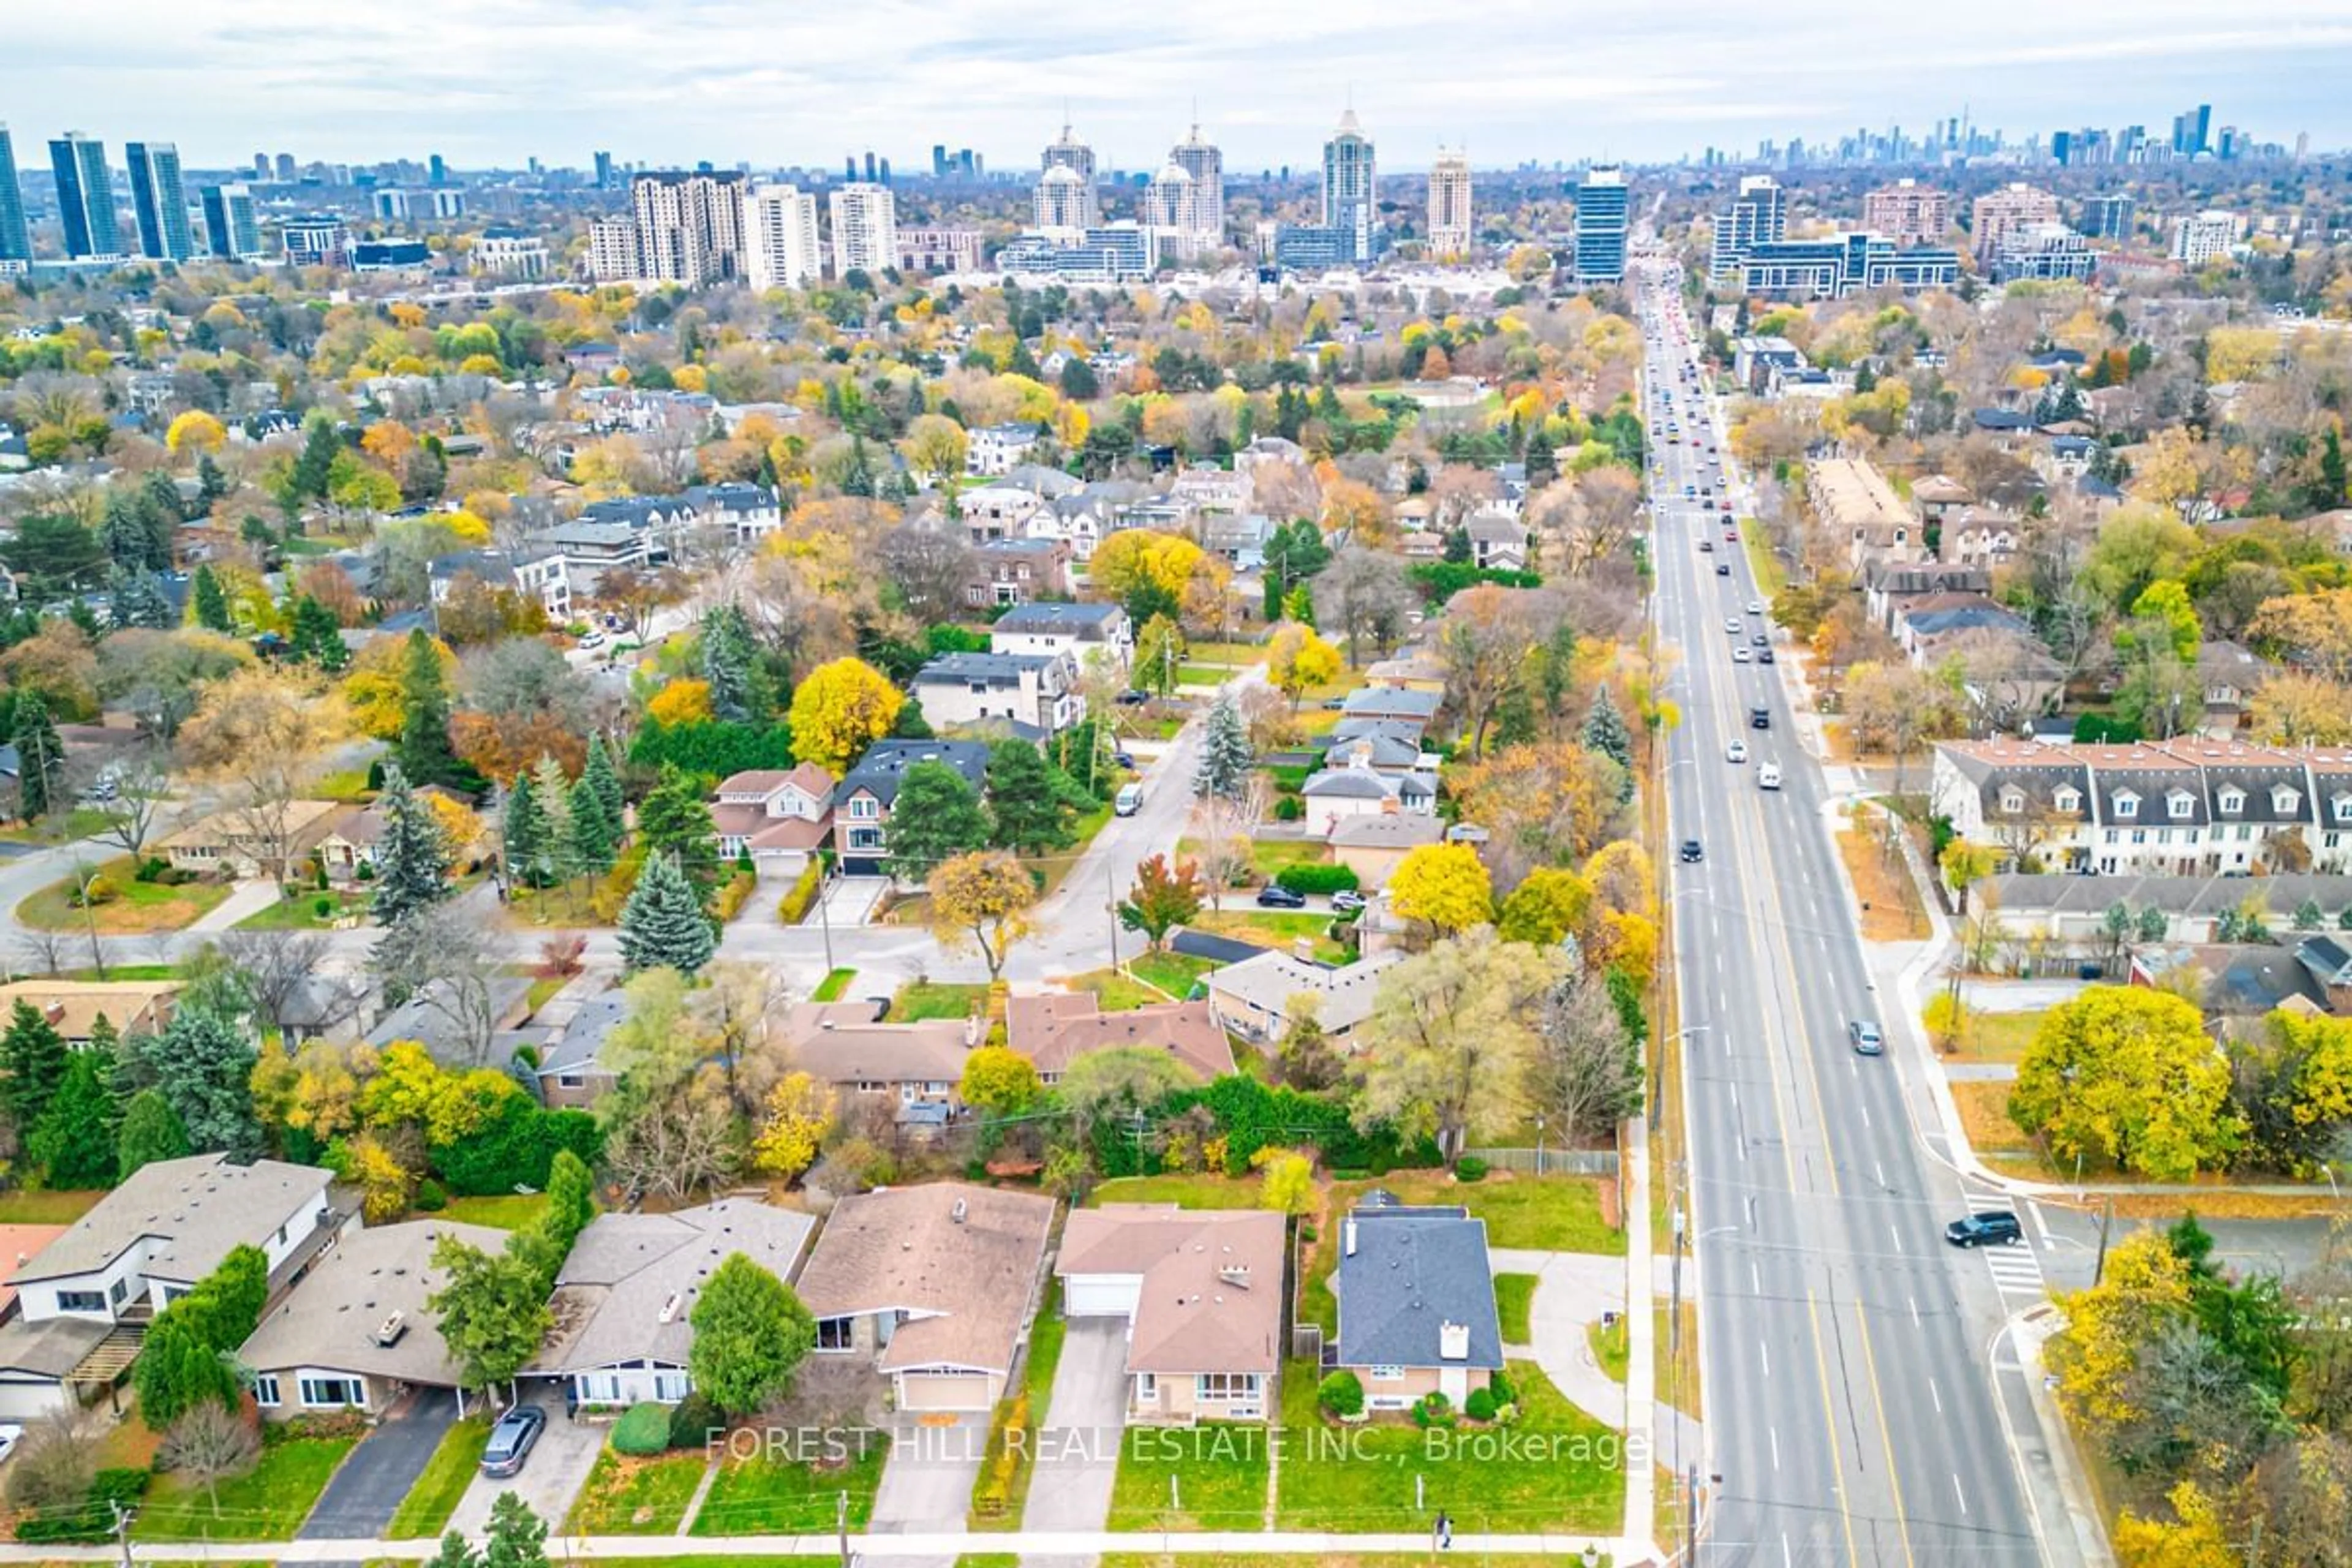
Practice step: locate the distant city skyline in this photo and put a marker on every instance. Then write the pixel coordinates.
(494, 82)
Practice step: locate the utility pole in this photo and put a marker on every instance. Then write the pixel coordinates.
(2106, 1217)
(824, 916)
(122, 1518)
(1110, 904)
(840, 1526)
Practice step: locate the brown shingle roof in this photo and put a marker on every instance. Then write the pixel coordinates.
(1055, 1030)
(961, 1260)
(1212, 1294)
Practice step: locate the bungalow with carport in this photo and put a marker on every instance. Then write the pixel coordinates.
(357, 1333)
(1416, 1293)
(73, 1007)
(1255, 998)
(1054, 1028)
(914, 1066)
(1199, 1292)
(934, 1284)
(624, 1299)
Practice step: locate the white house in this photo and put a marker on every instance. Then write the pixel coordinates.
(1079, 631)
(1356, 789)
(996, 449)
(625, 1297)
(1032, 694)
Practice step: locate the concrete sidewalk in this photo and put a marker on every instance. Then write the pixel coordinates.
(945, 1544)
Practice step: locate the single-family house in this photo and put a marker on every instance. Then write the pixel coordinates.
(536, 572)
(1410, 671)
(625, 1297)
(1237, 538)
(1206, 488)
(861, 801)
(1032, 695)
(83, 1299)
(450, 1021)
(264, 842)
(1497, 540)
(1382, 752)
(1403, 704)
(995, 449)
(1939, 496)
(2231, 674)
(1889, 587)
(1372, 846)
(779, 816)
(913, 1067)
(1356, 789)
(73, 1007)
(355, 1332)
(1979, 537)
(570, 1071)
(1082, 632)
(998, 511)
(1199, 1293)
(1015, 571)
(1921, 622)
(1416, 1293)
(935, 1284)
(1054, 1028)
(1252, 998)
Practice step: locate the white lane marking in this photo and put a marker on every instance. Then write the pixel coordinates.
(1774, 1432)
(1866, 1111)
(1786, 1560)
(1959, 1493)
(1764, 1355)
(1755, 1279)
(1879, 1171)
(1913, 1302)
(1935, 1395)
(1896, 1233)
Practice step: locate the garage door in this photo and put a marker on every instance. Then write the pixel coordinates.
(1100, 1295)
(31, 1401)
(946, 1391)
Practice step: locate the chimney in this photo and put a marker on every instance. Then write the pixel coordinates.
(1348, 1240)
(971, 1030)
(1303, 949)
(1452, 1342)
(388, 1332)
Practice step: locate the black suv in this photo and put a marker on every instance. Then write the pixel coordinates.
(1988, 1228)
(1691, 851)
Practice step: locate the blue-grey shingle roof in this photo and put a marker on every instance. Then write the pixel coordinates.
(575, 1049)
(1405, 1271)
(887, 762)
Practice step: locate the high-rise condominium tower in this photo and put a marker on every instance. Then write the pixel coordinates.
(85, 197)
(159, 202)
(780, 238)
(1449, 204)
(1351, 188)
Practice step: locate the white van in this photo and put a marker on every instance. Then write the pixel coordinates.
(1128, 801)
(1768, 776)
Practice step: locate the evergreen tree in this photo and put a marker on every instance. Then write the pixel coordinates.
(422, 749)
(203, 1068)
(73, 1143)
(592, 841)
(1027, 810)
(517, 1537)
(1225, 755)
(663, 925)
(2332, 484)
(128, 533)
(600, 776)
(524, 830)
(1605, 732)
(40, 756)
(211, 603)
(553, 791)
(936, 816)
(412, 858)
(675, 820)
(312, 469)
(729, 663)
(32, 1064)
(151, 1131)
(317, 638)
(212, 484)
(135, 600)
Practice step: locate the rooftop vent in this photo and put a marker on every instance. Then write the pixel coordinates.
(1237, 1274)
(388, 1332)
(1348, 1240)
(669, 1308)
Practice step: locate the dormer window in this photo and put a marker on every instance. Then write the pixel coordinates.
(2343, 808)
(2013, 800)
(2127, 804)
(2231, 801)
(2284, 800)
(2180, 804)
(2067, 799)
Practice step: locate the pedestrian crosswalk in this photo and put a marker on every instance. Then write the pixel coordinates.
(2016, 1270)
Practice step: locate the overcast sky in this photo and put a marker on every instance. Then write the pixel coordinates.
(670, 81)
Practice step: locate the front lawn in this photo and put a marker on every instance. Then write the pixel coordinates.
(430, 1503)
(1540, 1213)
(836, 983)
(136, 908)
(1196, 1192)
(1557, 1468)
(80, 822)
(343, 784)
(1610, 1347)
(267, 1502)
(1273, 928)
(784, 1497)
(920, 999)
(636, 1497)
(25, 1206)
(1218, 1472)
(1985, 1118)
(1057, 864)
(506, 1211)
(1173, 973)
(302, 912)
(1992, 1037)
(1117, 991)
(1515, 1300)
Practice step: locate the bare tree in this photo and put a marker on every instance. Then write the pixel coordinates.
(678, 1143)
(278, 967)
(1222, 826)
(1586, 1072)
(39, 952)
(1488, 634)
(58, 1458)
(130, 793)
(208, 1445)
(1363, 594)
(439, 957)
(928, 567)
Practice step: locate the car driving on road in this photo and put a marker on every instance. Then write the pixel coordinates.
(1988, 1227)
(1867, 1041)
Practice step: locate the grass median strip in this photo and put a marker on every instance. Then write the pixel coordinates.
(434, 1497)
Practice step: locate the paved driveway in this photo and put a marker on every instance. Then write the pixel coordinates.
(927, 1484)
(1077, 1457)
(362, 1496)
(551, 1477)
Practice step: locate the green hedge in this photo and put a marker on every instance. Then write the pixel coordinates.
(801, 897)
(1317, 879)
(515, 1148)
